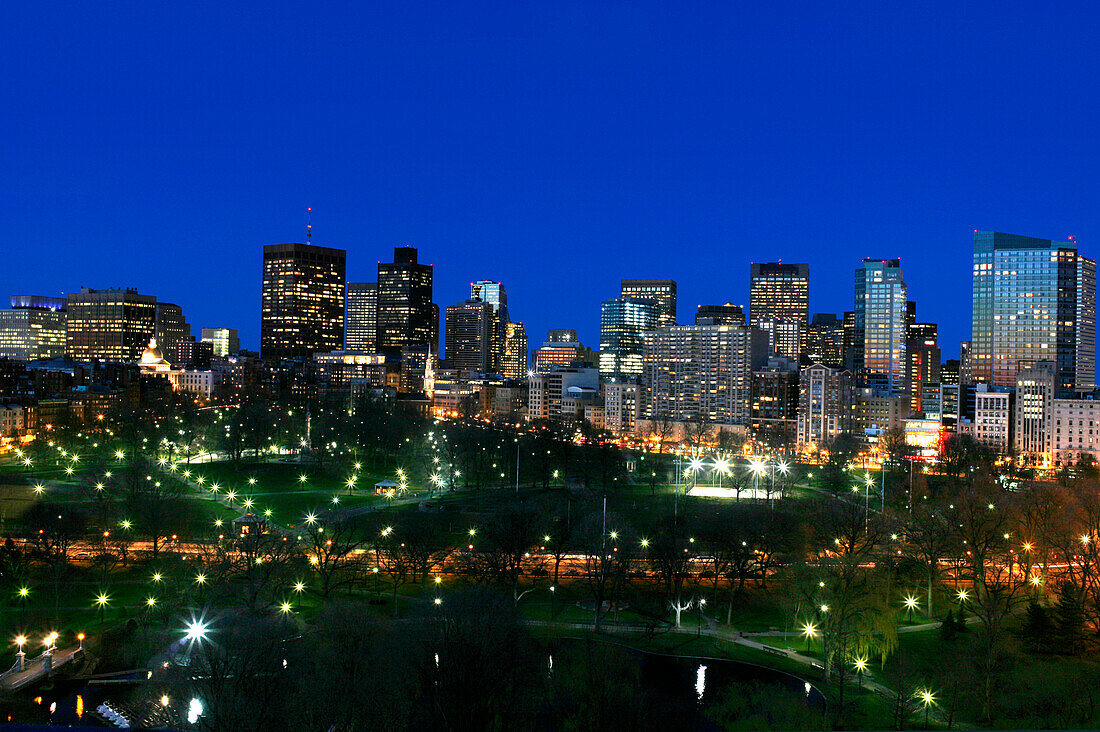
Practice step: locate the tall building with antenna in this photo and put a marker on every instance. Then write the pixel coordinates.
(302, 300)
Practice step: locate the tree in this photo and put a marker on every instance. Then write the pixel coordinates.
(333, 548)
(503, 551)
(1038, 628)
(670, 554)
(1069, 619)
(840, 452)
(661, 429)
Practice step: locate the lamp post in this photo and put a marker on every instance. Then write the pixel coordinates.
(910, 603)
(21, 657)
(861, 668)
(928, 700)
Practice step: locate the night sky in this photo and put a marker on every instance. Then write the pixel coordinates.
(556, 146)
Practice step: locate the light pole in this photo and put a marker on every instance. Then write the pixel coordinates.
(861, 668)
(21, 657)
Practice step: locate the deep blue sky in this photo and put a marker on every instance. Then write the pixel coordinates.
(555, 146)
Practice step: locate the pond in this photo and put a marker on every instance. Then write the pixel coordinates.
(682, 688)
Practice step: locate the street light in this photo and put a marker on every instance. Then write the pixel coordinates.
(196, 631)
(911, 603)
(102, 600)
(928, 700)
(861, 668)
(809, 630)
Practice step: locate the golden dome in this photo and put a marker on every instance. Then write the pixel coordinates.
(153, 357)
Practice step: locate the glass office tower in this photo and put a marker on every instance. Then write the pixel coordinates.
(623, 321)
(1033, 300)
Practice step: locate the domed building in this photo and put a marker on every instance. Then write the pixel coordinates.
(152, 360)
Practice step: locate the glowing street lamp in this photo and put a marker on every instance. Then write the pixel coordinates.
(911, 602)
(196, 631)
(927, 700)
(102, 600)
(861, 668)
(809, 631)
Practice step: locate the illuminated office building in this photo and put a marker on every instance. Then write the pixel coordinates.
(109, 325)
(823, 341)
(514, 362)
(33, 328)
(225, 341)
(728, 314)
(623, 323)
(696, 373)
(779, 303)
(880, 324)
(302, 301)
(406, 314)
(662, 292)
(171, 329)
(361, 326)
(468, 336)
(1034, 300)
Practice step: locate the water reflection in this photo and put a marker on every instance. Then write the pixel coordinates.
(700, 682)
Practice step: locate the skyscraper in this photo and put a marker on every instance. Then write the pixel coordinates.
(922, 362)
(490, 292)
(303, 301)
(468, 339)
(514, 363)
(171, 328)
(406, 314)
(494, 294)
(779, 303)
(662, 292)
(1033, 300)
(623, 321)
(34, 328)
(361, 328)
(823, 342)
(109, 325)
(880, 324)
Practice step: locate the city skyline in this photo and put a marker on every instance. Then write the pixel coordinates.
(742, 146)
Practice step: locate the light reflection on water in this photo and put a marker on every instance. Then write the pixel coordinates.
(700, 682)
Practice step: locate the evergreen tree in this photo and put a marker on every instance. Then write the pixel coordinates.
(1069, 619)
(1038, 629)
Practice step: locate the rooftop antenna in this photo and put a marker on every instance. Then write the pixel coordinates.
(309, 223)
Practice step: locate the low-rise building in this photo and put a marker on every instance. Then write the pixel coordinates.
(992, 417)
(1075, 430)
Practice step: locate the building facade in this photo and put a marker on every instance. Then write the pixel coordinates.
(1033, 300)
(302, 304)
(880, 324)
(406, 314)
(514, 360)
(825, 396)
(1036, 388)
(361, 327)
(468, 336)
(779, 301)
(663, 292)
(225, 341)
(727, 314)
(992, 418)
(113, 326)
(623, 324)
(33, 328)
(701, 373)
